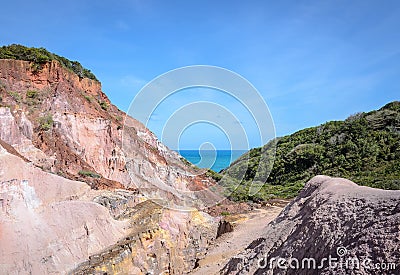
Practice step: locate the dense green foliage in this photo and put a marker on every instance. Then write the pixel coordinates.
(40, 56)
(364, 148)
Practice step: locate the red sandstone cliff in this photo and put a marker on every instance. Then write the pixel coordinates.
(85, 131)
(53, 121)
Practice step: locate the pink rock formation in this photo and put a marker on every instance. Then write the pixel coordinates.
(85, 135)
(45, 228)
(62, 142)
(332, 218)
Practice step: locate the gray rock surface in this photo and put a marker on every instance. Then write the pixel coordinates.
(343, 227)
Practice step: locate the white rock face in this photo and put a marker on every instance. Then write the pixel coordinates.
(9, 129)
(46, 226)
(19, 136)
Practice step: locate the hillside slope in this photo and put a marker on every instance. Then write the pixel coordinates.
(364, 148)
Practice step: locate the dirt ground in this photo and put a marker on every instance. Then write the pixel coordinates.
(247, 227)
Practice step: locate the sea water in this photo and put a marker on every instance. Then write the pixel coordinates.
(216, 160)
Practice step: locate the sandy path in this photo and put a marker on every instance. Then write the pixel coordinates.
(246, 229)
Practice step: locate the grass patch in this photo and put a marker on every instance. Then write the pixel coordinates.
(185, 161)
(45, 122)
(87, 173)
(88, 98)
(32, 97)
(103, 105)
(32, 94)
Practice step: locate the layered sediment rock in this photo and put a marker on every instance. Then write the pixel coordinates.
(52, 225)
(159, 242)
(45, 228)
(334, 226)
(69, 190)
(66, 124)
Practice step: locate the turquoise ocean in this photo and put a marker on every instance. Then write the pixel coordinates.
(215, 160)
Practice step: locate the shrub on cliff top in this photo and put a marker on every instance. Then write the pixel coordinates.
(40, 56)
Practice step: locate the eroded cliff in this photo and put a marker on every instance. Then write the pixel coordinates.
(69, 192)
(73, 127)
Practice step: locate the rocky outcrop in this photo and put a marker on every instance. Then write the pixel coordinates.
(66, 124)
(52, 225)
(46, 226)
(334, 226)
(71, 166)
(159, 242)
(224, 227)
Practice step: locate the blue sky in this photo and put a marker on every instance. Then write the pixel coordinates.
(312, 61)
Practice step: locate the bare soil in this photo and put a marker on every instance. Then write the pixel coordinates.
(247, 227)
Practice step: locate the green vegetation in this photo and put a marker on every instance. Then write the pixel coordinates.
(103, 105)
(91, 174)
(225, 213)
(32, 97)
(216, 176)
(40, 56)
(2, 86)
(88, 98)
(45, 122)
(16, 96)
(61, 173)
(32, 94)
(185, 161)
(364, 148)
